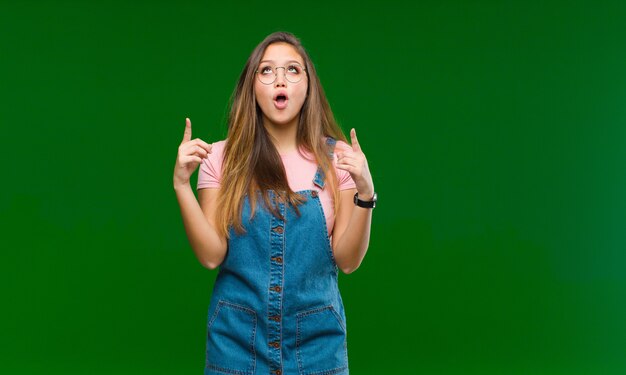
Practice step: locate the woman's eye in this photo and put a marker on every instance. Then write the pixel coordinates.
(266, 70)
(295, 69)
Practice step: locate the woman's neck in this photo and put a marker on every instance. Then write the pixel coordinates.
(283, 135)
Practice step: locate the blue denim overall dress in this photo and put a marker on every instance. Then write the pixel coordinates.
(276, 307)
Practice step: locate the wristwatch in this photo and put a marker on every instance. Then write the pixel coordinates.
(365, 204)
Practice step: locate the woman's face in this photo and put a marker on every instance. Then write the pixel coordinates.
(281, 100)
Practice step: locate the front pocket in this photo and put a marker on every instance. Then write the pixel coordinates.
(321, 342)
(230, 342)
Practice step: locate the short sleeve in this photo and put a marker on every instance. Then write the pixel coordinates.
(344, 179)
(210, 174)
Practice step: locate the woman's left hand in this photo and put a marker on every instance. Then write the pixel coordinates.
(354, 161)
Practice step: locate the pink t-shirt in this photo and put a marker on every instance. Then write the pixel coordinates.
(300, 174)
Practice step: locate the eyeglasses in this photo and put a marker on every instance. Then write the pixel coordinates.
(293, 72)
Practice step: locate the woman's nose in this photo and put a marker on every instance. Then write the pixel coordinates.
(280, 78)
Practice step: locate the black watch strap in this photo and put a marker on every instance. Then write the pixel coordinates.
(365, 204)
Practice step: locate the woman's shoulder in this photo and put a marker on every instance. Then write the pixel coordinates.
(219, 145)
(210, 173)
(217, 150)
(344, 178)
(217, 154)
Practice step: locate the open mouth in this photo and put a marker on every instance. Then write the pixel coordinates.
(280, 100)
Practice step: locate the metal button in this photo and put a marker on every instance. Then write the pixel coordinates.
(278, 372)
(274, 344)
(278, 230)
(275, 318)
(314, 193)
(277, 259)
(276, 288)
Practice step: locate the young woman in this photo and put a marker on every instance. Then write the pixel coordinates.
(283, 203)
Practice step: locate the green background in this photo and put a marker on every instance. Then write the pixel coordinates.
(495, 132)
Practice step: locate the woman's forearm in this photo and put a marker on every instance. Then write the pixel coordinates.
(209, 247)
(351, 248)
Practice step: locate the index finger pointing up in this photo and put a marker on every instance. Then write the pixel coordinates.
(187, 134)
(355, 142)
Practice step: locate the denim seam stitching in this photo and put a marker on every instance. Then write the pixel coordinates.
(326, 236)
(282, 289)
(252, 313)
(299, 317)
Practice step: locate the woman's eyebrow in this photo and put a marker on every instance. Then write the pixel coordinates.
(286, 62)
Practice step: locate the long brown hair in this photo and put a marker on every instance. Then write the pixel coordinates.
(251, 161)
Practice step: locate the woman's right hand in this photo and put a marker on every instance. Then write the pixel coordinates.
(190, 155)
